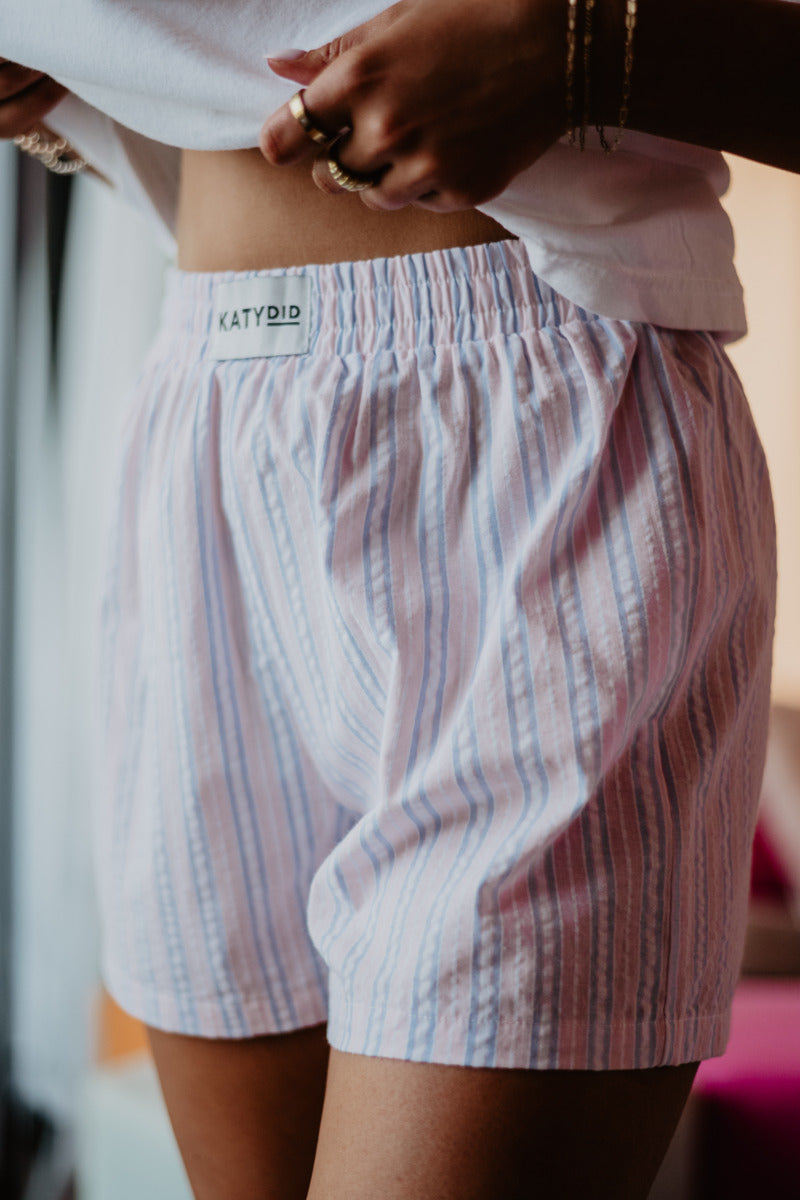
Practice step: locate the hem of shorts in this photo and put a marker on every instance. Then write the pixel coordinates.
(230, 1016)
(577, 1046)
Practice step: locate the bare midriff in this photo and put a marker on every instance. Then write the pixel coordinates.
(238, 213)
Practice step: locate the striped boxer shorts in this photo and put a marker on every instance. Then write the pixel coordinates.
(433, 670)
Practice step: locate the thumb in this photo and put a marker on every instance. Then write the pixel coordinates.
(303, 66)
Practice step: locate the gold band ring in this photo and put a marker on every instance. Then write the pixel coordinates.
(299, 111)
(350, 181)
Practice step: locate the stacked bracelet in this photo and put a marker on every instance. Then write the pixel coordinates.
(622, 120)
(57, 156)
(578, 135)
(572, 45)
(587, 69)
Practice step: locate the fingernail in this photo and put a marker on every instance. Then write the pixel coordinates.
(290, 55)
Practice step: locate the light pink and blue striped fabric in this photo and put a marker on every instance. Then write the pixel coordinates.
(434, 676)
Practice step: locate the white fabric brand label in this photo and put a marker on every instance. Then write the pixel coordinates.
(261, 318)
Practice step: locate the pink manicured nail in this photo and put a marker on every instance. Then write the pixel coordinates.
(290, 55)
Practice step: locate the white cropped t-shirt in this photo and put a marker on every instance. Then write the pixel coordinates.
(639, 234)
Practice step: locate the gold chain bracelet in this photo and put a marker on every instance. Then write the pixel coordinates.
(572, 45)
(631, 7)
(577, 135)
(587, 69)
(59, 156)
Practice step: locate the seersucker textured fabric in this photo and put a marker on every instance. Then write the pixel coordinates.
(434, 675)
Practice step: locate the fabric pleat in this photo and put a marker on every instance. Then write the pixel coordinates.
(434, 675)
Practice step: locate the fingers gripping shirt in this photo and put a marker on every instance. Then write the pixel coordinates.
(640, 235)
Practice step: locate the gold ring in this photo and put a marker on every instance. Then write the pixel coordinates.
(299, 111)
(350, 181)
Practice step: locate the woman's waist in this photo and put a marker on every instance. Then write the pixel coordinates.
(238, 213)
(431, 303)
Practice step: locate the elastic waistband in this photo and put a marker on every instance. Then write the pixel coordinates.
(470, 293)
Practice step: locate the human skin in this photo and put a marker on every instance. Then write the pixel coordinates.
(26, 97)
(449, 99)
(398, 1130)
(456, 120)
(246, 1115)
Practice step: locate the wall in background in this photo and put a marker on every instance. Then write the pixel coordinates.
(8, 224)
(64, 452)
(764, 205)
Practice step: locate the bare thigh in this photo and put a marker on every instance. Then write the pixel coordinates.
(409, 1131)
(245, 1113)
(246, 1116)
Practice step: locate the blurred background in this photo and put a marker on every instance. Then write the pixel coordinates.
(81, 1116)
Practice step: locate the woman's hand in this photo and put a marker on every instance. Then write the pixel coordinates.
(445, 100)
(26, 97)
